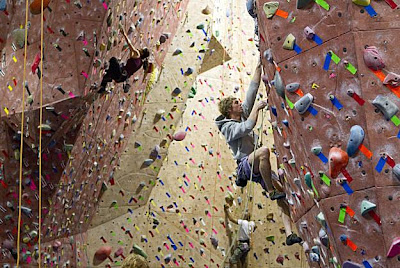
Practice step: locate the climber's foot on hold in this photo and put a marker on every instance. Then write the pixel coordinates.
(93, 87)
(293, 239)
(101, 90)
(275, 195)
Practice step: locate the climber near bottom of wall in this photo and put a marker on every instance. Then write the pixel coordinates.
(246, 229)
(121, 72)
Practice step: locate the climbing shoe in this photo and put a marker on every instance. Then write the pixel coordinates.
(293, 239)
(102, 90)
(275, 195)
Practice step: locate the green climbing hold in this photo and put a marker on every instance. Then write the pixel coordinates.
(316, 150)
(18, 36)
(192, 93)
(271, 238)
(138, 250)
(307, 179)
(270, 9)
(200, 26)
(366, 207)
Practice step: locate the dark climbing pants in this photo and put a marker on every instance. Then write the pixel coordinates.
(240, 252)
(115, 72)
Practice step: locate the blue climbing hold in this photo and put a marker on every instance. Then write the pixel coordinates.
(3, 5)
(357, 135)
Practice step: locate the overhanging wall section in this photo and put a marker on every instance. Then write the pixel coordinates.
(87, 132)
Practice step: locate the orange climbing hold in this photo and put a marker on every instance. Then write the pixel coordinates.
(36, 6)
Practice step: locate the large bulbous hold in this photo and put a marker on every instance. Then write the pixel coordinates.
(373, 59)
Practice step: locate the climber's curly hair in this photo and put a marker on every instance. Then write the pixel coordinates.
(225, 105)
(135, 261)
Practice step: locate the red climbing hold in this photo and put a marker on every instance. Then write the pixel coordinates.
(101, 254)
(338, 160)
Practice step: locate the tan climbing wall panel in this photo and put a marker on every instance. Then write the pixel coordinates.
(346, 29)
(152, 130)
(192, 176)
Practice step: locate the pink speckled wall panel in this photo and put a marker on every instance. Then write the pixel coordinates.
(346, 29)
(80, 150)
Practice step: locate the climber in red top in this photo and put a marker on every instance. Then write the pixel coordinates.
(119, 72)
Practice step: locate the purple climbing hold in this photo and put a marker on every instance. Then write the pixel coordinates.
(394, 249)
(309, 33)
(264, 79)
(392, 79)
(280, 259)
(350, 264)
(179, 136)
(8, 244)
(373, 59)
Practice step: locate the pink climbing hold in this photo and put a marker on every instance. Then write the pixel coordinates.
(265, 79)
(56, 245)
(394, 249)
(179, 136)
(102, 253)
(280, 259)
(373, 59)
(119, 253)
(392, 79)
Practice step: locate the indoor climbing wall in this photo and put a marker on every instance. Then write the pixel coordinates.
(172, 179)
(83, 134)
(335, 95)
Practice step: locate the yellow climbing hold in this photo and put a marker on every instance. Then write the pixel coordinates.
(270, 9)
(289, 42)
(363, 3)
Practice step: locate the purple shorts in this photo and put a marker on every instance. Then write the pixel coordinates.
(244, 173)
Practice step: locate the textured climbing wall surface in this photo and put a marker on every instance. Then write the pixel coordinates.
(173, 205)
(346, 211)
(83, 134)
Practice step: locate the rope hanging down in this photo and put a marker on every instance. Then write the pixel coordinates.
(22, 134)
(40, 133)
(251, 186)
(21, 149)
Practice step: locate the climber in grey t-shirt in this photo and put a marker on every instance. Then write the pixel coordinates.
(236, 123)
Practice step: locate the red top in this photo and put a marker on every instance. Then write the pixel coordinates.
(133, 65)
